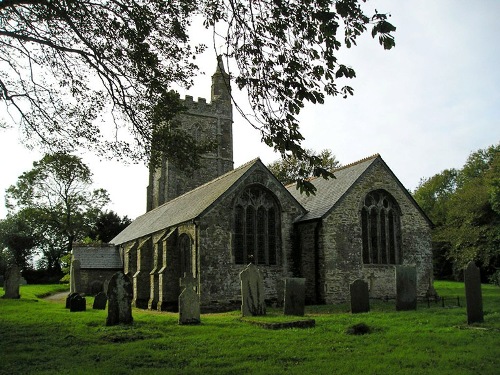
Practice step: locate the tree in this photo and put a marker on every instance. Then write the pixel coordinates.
(107, 226)
(64, 63)
(462, 205)
(290, 169)
(17, 242)
(55, 199)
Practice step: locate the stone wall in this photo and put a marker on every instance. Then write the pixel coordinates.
(340, 235)
(94, 280)
(219, 275)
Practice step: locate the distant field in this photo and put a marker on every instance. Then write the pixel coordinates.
(40, 336)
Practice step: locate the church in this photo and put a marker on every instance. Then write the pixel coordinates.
(211, 223)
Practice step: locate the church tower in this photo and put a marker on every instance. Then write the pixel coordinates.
(203, 120)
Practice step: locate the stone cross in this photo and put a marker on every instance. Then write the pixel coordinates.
(252, 292)
(473, 295)
(12, 277)
(295, 293)
(120, 295)
(189, 301)
(75, 277)
(360, 297)
(406, 288)
(100, 301)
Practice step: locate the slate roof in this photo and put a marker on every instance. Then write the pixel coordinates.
(329, 192)
(184, 208)
(98, 257)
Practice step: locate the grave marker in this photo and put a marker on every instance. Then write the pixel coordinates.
(189, 301)
(100, 301)
(77, 303)
(252, 292)
(473, 295)
(406, 288)
(12, 277)
(120, 294)
(295, 291)
(360, 297)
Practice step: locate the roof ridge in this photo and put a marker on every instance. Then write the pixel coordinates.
(374, 156)
(207, 183)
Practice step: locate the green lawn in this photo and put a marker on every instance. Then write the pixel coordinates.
(42, 337)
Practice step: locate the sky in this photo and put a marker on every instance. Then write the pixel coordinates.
(424, 106)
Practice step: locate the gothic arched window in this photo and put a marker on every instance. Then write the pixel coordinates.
(380, 226)
(256, 227)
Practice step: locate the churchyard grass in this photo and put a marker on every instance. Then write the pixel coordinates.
(42, 337)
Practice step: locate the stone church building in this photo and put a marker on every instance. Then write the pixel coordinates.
(213, 222)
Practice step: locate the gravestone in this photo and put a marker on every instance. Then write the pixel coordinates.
(77, 303)
(75, 277)
(22, 281)
(189, 301)
(120, 294)
(360, 297)
(68, 299)
(406, 288)
(12, 277)
(252, 292)
(473, 295)
(100, 301)
(295, 294)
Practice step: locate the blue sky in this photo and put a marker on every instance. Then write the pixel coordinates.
(424, 106)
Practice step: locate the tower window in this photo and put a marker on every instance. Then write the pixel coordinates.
(380, 226)
(256, 227)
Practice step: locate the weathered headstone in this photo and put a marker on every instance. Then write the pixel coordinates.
(360, 297)
(75, 277)
(120, 294)
(189, 301)
(100, 301)
(295, 293)
(12, 276)
(22, 281)
(77, 303)
(68, 299)
(406, 288)
(252, 292)
(473, 294)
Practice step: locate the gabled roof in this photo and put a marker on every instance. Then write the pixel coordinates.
(98, 257)
(329, 192)
(184, 208)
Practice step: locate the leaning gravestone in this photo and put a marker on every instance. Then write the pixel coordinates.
(252, 292)
(189, 301)
(473, 295)
(120, 294)
(100, 301)
(75, 277)
(77, 303)
(360, 297)
(406, 288)
(12, 277)
(295, 294)
(68, 299)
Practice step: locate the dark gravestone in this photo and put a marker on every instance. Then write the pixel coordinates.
(252, 292)
(12, 277)
(100, 301)
(189, 301)
(77, 303)
(360, 297)
(68, 299)
(473, 295)
(406, 288)
(120, 294)
(295, 292)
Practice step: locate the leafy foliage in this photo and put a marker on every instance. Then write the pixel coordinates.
(16, 241)
(64, 64)
(107, 226)
(56, 203)
(290, 169)
(464, 207)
